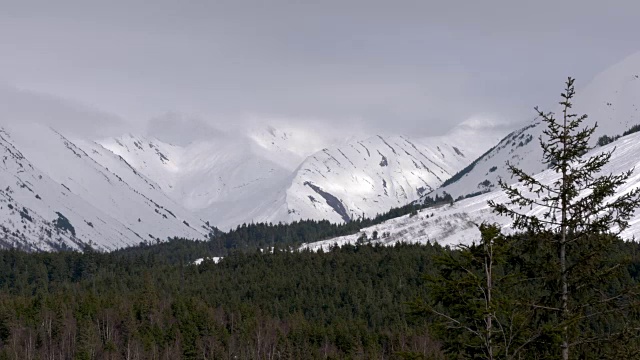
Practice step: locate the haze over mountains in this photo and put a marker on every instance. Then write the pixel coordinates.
(182, 178)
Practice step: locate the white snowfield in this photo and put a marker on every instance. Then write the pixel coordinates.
(368, 177)
(59, 193)
(457, 223)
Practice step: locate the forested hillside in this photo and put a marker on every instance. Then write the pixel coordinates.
(249, 237)
(349, 303)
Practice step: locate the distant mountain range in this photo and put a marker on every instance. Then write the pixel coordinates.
(184, 179)
(61, 191)
(265, 176)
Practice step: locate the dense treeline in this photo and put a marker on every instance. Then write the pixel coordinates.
(249, 237)
(351, 302)
(346, 303)
(606, 139)
(524, 297)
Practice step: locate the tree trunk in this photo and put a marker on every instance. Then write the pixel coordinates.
(563, 244)
(565, 298)
(488, 320)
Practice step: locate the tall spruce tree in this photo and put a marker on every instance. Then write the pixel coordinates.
(477, 302)
(581, 217)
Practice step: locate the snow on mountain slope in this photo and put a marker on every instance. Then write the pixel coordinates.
(454, 224)
(273, 175)
(155, 160)
(290, 146)
(55, 195)
(369, 177)
(611, 99)
(228, 179)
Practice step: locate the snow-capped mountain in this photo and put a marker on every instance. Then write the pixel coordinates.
(223, 179)
(228, 178)
(68, 191)
(272, 175)
(62, 193)
(611, 99)
(457, 223)
(368, 177)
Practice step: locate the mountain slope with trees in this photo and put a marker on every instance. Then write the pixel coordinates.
(611, 99)
(455, 222)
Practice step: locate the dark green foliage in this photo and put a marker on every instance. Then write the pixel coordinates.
(579, 222)
(479, 305)
(347, 303)
(605, 139)
(524, 290)
(248, 237)
(473, 194)
(562, 288)
(631, 130)
(446, 198)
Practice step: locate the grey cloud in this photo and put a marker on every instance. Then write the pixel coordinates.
(23, 106)
(180, 129)
(393, 66)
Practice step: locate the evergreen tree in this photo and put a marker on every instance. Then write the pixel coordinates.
(479, 307)
(581, 217)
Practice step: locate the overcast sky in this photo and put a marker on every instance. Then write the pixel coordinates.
(414, 67)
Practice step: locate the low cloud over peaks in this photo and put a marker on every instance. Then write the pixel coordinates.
(20, 106)
(180, 129)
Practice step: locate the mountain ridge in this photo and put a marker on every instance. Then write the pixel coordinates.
(47, 204)
(457, 223)
(611, 99)
(262, 185)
